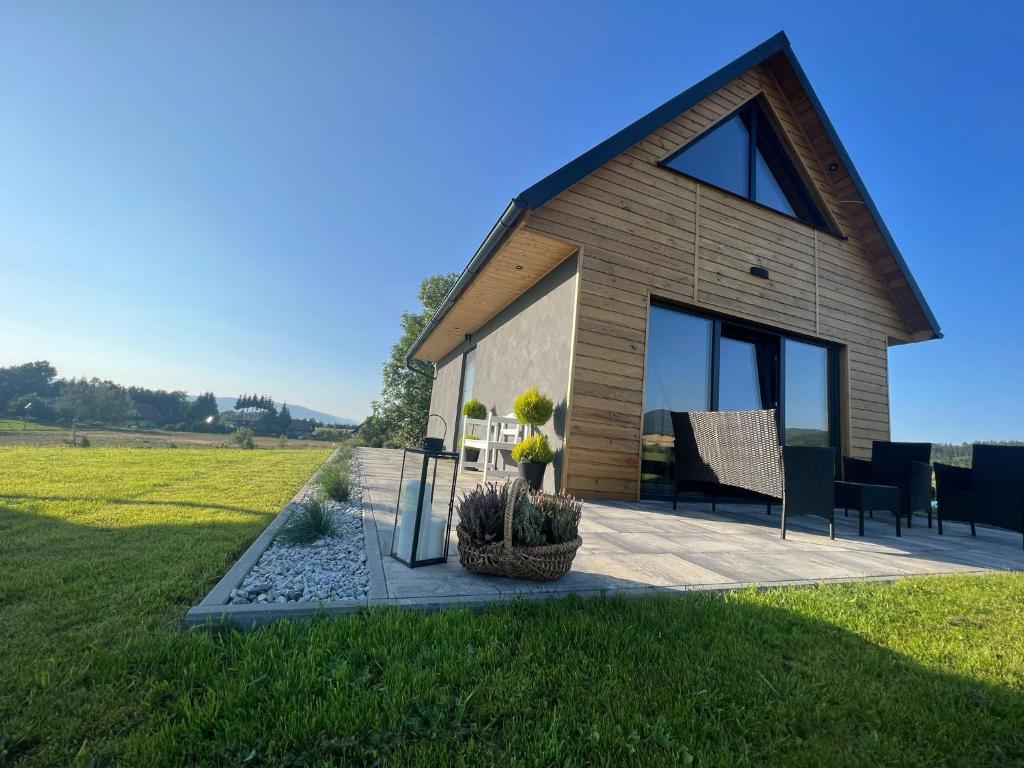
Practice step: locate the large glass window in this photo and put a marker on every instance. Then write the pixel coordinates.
(744, 155)
(466, 392)
(678, 379)
(699, 364)
(468, 374)
(806, 405)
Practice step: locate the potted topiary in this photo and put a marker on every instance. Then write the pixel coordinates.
(473, 409)
(534, 453)
(532, 457)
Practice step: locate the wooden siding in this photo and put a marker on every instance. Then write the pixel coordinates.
(649, 232)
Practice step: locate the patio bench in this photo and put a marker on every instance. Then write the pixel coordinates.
(739, 453)
(990, 493)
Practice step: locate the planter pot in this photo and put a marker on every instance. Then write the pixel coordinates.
(532, 473)
(472, 455)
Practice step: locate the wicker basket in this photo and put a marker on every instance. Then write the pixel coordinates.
(544, 563)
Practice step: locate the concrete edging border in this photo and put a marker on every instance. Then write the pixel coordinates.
(215, 605)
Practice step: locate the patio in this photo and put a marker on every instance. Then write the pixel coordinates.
(642, 547)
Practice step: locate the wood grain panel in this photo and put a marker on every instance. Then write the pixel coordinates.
(649, 232)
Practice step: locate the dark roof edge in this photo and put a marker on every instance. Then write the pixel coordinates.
(571, 173)
(859, 184)
(498, 234)
(557, 182)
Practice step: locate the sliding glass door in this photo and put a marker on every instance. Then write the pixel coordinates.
(806, 412)
(678, 379)
(697, 363)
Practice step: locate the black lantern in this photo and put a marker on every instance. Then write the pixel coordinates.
(426, 497)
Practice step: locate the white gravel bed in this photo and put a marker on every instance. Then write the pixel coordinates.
(332, 568)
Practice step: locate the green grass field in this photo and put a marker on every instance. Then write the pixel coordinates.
(17, 425)
(104, 550)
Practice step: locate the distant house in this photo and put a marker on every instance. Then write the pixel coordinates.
(720, 253)
(302, 427)
(146, 414)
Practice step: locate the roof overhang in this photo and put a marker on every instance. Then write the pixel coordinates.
(510, 261)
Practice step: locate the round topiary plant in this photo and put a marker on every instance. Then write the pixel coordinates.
(533, 450)
(474, 409)
(533, 408)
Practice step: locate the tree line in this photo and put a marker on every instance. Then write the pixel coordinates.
(34, 391)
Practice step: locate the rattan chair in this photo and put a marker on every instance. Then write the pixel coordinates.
(737, 453)
(990, 493)
(904, 465)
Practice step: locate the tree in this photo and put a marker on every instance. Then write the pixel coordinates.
(204, 407)
(93, 400)
(399, 417)
(173, 406)
(26, 379)
(284, 419)
(40, 410)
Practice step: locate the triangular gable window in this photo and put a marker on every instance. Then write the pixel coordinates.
(745, 156)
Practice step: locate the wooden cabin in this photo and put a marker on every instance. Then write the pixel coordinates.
(720, 253)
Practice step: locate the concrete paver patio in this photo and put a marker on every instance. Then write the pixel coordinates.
(636, 547)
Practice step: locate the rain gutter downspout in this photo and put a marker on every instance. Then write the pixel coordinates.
(498, 234)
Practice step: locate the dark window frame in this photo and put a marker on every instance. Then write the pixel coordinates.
(751, 113)
(832, 368)
(462, 387)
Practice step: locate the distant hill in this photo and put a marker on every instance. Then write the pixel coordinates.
(298, 412)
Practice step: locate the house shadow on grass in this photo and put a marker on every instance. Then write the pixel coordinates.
(844, 675)
(749, 679)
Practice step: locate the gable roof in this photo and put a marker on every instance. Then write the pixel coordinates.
(555, 183)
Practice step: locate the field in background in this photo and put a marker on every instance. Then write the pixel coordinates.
(44, 435)
(17, 425)
(105, 549)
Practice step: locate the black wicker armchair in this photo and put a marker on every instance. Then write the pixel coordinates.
(990, 493)
(737, 453)
(904, 465)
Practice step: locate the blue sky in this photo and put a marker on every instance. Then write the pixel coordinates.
(245, 196)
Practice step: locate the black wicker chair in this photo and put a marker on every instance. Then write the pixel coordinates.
(737, 453)
(991, 493)
(904, 465)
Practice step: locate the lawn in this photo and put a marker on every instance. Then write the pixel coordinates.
(923, 672)
(17, 425)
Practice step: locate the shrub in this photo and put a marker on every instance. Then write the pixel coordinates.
(533, 408)
(528, 521)
(182, 426)
(336, 481)
(84, 442)
(313, 521)
(474, 409)
(482, 512)
(561, 515)
(243, 437)
(533, 450)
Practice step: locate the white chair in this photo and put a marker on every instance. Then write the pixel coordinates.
(490, 437)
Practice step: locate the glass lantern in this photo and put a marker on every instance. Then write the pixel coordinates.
(426, 497)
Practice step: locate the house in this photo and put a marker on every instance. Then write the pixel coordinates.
(720, 253)
(145, 414)
(301, 428)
